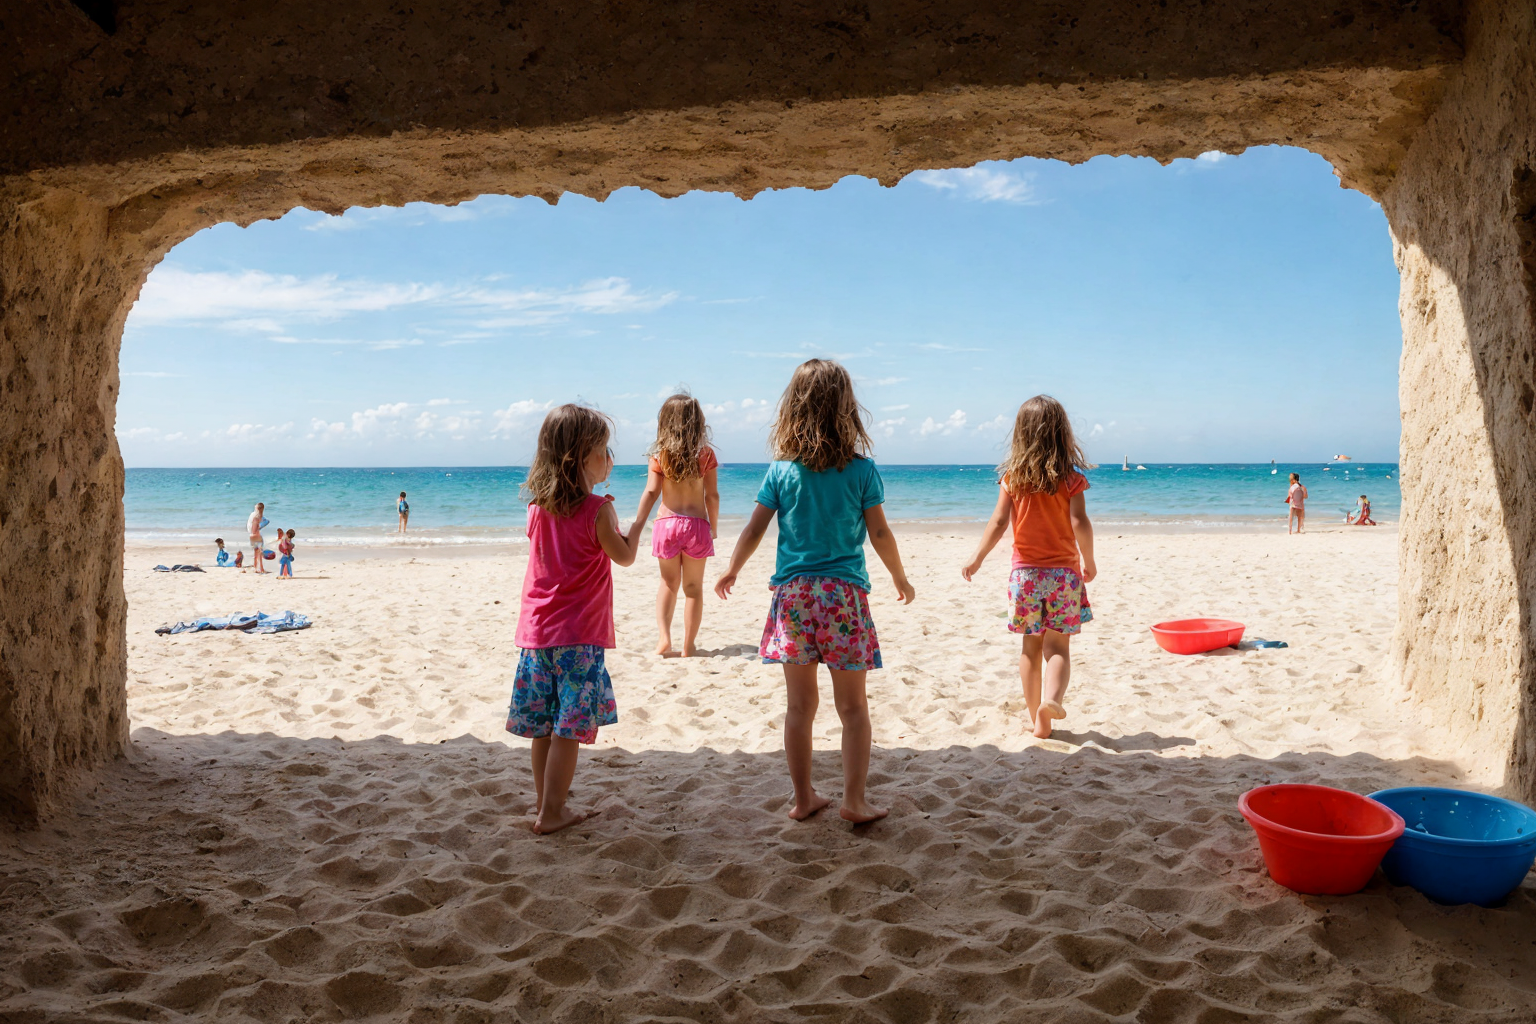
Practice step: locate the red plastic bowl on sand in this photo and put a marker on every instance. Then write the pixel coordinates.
(1196, 636)
(1320, 840)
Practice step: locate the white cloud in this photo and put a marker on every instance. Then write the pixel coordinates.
(443, 401)
(276, 304)
(938, 346)
(888, 427)
(1212, 157)
(177, 436)
(152, 373)
(896, 408)
(256, 432)
(747, 414)
(138, 432)
(982, 183)
(517, 416)
(1099, 429)
(955, 421)
(996, 424)
(882, 382)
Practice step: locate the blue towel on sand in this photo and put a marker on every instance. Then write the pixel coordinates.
(250, 622)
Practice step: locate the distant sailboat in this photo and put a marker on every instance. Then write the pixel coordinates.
(1126, 466)
(1272, 469)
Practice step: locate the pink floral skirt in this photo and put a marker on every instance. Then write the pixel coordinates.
(820, 619)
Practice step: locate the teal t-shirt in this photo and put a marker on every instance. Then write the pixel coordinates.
(821, 518)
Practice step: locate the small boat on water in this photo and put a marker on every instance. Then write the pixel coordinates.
(1272, 469)
(1343, 458)
(1125, 467)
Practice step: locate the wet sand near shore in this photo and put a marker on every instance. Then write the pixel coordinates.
(332, 824)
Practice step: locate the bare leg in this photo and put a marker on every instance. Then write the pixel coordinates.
(1301, 521)
(559, 769)
(540, 759)
(799, 718)
(693, 602)
(853, 709)
(1029, 674)
(1057, 656)
(258, 560)
(666, 600)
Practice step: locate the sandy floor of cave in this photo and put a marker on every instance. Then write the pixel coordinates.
(331, 824)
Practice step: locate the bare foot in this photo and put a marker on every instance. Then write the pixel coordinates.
(1042, 729)
(863, 812)
(802, 811)
(664, 646)
(690, 651)
(546, 823)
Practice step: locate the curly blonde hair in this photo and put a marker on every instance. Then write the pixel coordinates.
(681, 437)
(818, 423)
(570, 433)
(1044, 451)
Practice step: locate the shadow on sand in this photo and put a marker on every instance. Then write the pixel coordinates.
(240, 877)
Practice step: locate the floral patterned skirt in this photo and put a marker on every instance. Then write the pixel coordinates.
(1054, 599)
(820, 619)
(561, 691)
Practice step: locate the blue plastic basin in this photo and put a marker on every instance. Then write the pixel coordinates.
(1459, 847)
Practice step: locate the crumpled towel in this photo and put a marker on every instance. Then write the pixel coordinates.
(253, 622)
(179, 568)
(1258, 643)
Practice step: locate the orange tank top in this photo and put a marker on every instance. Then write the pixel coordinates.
(1042, 526)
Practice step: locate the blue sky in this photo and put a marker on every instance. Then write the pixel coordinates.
(1221, 309)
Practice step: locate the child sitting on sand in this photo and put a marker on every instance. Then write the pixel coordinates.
(561, 692)
(828, 496)
(1361, 516)
(1041, 485)
(285, 550)
(683, 474)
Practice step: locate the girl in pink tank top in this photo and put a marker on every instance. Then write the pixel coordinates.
(561, 693)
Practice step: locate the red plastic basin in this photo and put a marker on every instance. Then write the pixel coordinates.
(1196, 636)
(1320, 840)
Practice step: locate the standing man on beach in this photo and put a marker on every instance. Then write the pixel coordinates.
(253, 527)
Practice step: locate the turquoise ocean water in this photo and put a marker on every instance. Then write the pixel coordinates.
(479, 505)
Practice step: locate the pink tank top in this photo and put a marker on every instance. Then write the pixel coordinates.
(568, 586)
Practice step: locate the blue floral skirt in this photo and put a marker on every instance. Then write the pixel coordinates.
(561, 691)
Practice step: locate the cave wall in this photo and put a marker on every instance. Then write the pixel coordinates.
(64, 295)
(1463, 216)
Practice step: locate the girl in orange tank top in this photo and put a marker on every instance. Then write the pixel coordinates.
(1040, 495)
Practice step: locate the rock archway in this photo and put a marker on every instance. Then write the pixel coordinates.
(128, 126)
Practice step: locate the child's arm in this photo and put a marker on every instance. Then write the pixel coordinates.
(992, 534)
(712, 500)
(618, 547)
(1083, 529)
(884, 543)
(747, 543)
(647, 500)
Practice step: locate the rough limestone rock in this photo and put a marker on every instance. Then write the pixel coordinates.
(125, 127)
(1463, 215)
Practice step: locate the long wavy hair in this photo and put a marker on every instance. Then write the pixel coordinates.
(819, 422)
(681, 437)
(1044, 451)
(570, 433)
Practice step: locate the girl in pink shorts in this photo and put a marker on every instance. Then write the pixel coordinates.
(828, 497)
(682, 474)
(1041, 497)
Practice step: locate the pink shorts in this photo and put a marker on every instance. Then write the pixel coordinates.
(820, 619)
(681, 535)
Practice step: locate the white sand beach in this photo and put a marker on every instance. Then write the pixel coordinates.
(333, 824)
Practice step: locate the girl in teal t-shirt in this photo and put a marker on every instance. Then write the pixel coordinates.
(828, 498)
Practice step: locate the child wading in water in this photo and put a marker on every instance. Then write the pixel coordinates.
(682, 473)
(1041, 495)
(561, 693)
(828, 496)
